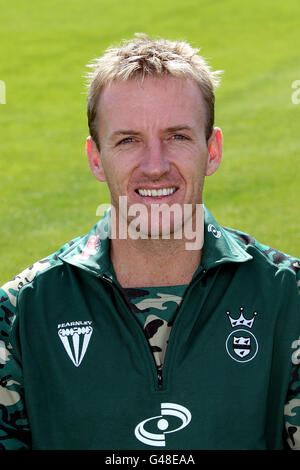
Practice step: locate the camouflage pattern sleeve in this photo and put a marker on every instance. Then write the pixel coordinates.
(292, 407)
(14, 429)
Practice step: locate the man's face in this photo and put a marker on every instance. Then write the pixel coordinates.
(152, 140)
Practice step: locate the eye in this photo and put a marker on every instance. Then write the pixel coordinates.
(127, 140)
(179, 137)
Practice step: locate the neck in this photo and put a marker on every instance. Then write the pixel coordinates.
(149, 263)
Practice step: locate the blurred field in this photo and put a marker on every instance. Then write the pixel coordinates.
(48, 195)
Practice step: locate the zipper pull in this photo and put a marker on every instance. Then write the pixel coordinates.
(159, 379)
(106, 278)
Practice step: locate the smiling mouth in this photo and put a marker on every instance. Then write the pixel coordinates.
(156, 192)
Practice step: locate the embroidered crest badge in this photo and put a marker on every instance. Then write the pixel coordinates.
(241, 344)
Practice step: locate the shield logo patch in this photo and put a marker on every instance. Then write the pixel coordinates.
(242, 346)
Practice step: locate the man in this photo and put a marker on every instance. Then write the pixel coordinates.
(158, 329)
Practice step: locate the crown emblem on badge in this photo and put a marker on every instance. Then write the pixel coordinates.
(241, 321)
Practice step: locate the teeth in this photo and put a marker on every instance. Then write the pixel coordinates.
(156, 192)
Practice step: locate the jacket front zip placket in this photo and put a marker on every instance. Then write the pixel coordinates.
(159, 382)
(174, 330)
(118, 290)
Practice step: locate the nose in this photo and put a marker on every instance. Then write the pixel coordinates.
(155, 162)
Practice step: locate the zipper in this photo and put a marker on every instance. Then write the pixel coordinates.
(177, 317)
(156, 373)
(159, 373)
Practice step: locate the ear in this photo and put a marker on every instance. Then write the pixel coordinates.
(214, 145)
(94, 159)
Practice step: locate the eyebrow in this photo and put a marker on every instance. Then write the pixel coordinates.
(179, 128)
(124, 132)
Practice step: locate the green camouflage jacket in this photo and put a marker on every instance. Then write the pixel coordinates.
(77, 371)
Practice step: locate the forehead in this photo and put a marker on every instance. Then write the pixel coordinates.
(160, 101)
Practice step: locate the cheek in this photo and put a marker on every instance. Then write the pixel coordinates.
(196, 172)
(117, 173)
(195, 164)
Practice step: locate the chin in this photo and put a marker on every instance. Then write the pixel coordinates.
(156, 229)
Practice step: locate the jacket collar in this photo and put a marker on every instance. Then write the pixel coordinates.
(219, 245)
(92, 251)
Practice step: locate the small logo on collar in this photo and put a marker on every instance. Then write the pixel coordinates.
(241, 344)
(216, 233)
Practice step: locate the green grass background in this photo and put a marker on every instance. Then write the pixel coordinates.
(47, 193)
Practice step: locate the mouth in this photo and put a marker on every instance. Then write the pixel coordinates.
(158, 192)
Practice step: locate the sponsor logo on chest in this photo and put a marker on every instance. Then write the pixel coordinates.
(75, 337)
(156, 436)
